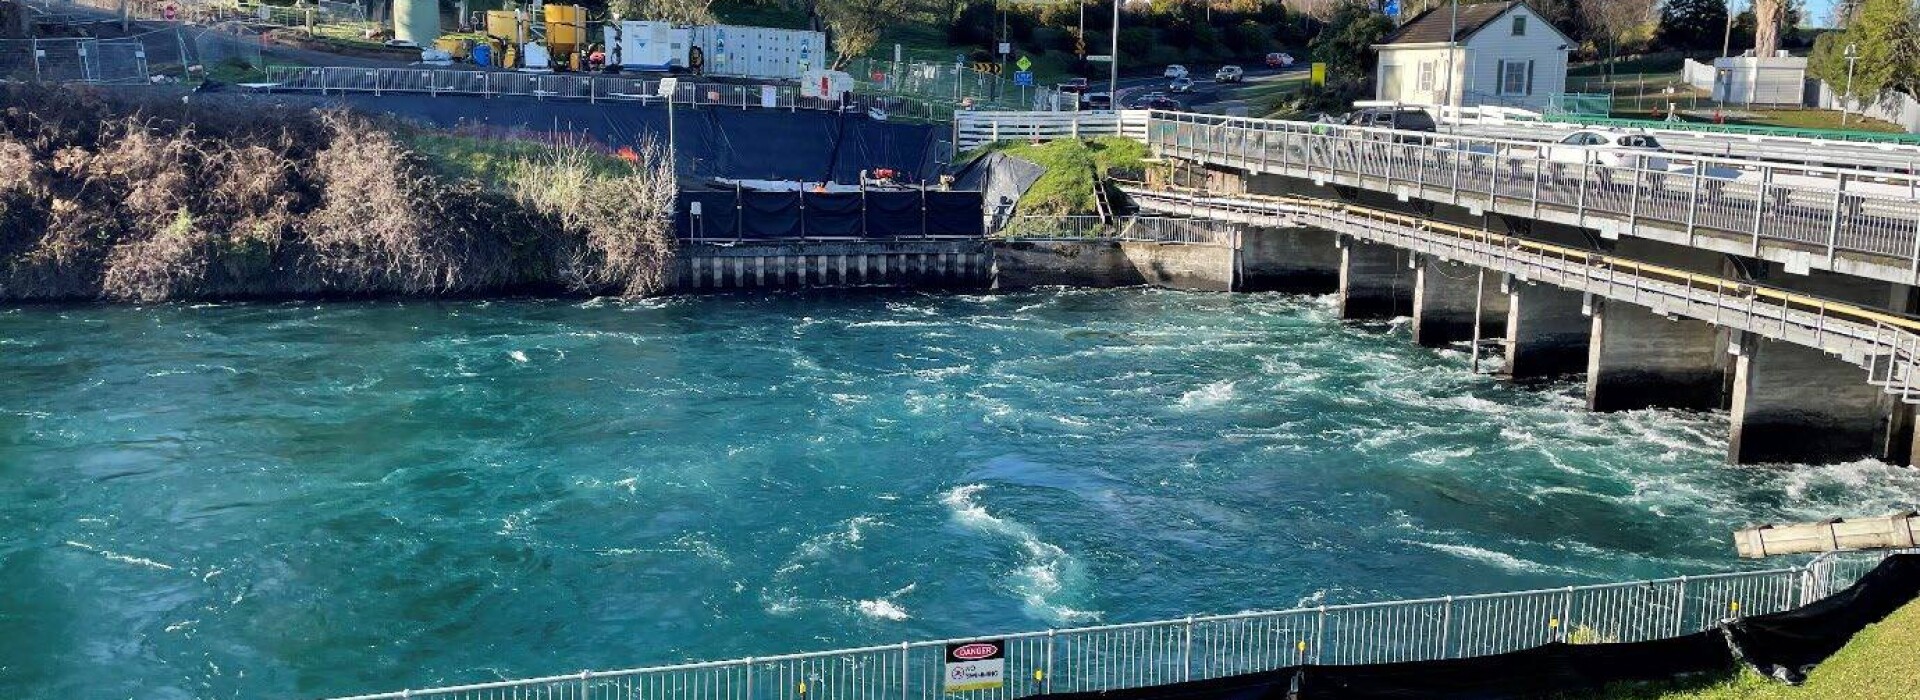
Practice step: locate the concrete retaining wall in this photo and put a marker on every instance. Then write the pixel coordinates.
(1020, 264)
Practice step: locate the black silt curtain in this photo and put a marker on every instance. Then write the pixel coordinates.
(770, 215)
(833, 214)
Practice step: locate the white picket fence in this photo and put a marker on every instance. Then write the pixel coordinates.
(975, 129)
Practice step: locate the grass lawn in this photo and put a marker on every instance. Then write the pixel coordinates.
(1815, 119)
(1072, 171)
(1878, 664)
(1662, 62)
(492, 162)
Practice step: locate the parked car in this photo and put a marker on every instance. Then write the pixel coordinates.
(1279, 60)
(1077, 86)
(1617, 149)
(1411, 119)
(1141, 101)
(1229, 74)
(1163, 102)
(1181, 85)
(1096, 101)
(1176, 71)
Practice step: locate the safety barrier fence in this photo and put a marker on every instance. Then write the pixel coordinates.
(591, 88)
(1887, 347)
(1677, 137)
(975, 129)
(947, 83)
(126, 60)
(1193, 648)
(1822, 210)
(1146, 229)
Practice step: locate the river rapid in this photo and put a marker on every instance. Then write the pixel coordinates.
(299, 500)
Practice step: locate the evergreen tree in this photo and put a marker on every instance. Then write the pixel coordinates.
(1692, 24)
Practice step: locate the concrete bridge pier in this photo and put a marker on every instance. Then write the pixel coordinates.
(1793, 403)
(1640, 359)
(1446, 298)
(1548, 333)
(1375, 280)
(1295, 260)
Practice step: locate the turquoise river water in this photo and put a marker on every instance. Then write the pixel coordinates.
(299, 500)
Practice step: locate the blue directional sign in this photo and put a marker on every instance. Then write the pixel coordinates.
(1390, 8)
(1023, 78)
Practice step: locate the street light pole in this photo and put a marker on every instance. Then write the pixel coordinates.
(1726, 44)
(1113, 63)
(1846, 108)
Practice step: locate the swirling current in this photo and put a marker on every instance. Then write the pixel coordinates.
(301, 500)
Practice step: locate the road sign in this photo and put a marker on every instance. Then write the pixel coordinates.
(1319, 75)
(1023, 78)
(1391, 8)
(1024, 63)
(1101, 58)
(1005, 48)
(986, 67)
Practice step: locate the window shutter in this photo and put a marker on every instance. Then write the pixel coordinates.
(1529, 91)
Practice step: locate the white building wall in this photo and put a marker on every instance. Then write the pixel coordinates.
(1496, 43)
(1399, 75)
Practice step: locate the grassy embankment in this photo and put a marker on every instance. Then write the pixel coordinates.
(112, 196)
(1877, 665)
(1074, 171)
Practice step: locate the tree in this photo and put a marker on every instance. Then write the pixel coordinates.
(1345, 44)
(1692, 24)
(679, 11)
(1613, 20)
(1767, 17)
(854, 26)
(1887, 45)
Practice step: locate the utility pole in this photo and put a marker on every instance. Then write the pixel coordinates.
(1113, 74)
(1846, 108)
(1726, 44)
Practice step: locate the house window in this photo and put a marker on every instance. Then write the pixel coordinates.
(1519, 25)
(1427, 76)
(1516, 78)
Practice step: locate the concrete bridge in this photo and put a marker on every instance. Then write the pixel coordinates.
(1780, 292)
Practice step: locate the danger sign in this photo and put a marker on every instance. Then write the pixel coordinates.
(980, 665)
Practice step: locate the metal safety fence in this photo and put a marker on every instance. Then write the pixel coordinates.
(949, 83)
(128, 60)
(591, 88)
(1201, 647)
(1144, 229)
(1824, 211)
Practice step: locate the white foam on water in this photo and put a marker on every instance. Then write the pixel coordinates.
(1485, 556)
(1045, 570)
(111, 555)
(1210, 395)
(882, 609)
(847, 537)
(518, 356)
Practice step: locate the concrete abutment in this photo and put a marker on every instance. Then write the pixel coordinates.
(1375, 281)
(1548, 332)
(1640, 359)
(1449, 298)
(1793, 403)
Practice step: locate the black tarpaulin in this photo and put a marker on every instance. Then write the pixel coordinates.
(769, 215)
(718, 219)
(1783, 644)
(833, 215)
(1792, 640)
(893, 214)
(955, 214)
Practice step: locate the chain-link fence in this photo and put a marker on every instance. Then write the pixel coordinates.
(229, 43)
(127, 60)
(947, 82)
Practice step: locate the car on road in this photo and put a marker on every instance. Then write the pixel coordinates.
(1096, 101)
(1229, 74)
(1181, 85)
(1176, 71)
(1279, 60)
(1162, 102)
(1077, 86)
(1612, 148)
(1140, 101)
(1398, 119)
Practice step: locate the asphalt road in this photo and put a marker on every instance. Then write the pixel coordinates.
(1206, 91)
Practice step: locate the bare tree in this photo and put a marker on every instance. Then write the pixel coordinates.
(681, 11)
(1318, 9)
(855, 25)
(1612, 20)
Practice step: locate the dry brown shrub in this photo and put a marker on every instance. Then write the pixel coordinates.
(167, 264)
(619, 227)
(376, 227)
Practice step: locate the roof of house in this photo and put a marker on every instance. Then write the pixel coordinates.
(1435, 25)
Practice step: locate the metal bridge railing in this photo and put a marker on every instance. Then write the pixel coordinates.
(1825, 211)
(1201, 647)
(590, 88)
(1886, 346)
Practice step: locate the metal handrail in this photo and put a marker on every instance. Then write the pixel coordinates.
(1204, 646)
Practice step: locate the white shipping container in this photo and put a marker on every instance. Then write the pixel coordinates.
(759, 52)
(647, 46)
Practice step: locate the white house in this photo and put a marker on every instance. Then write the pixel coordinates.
(1502, 53)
